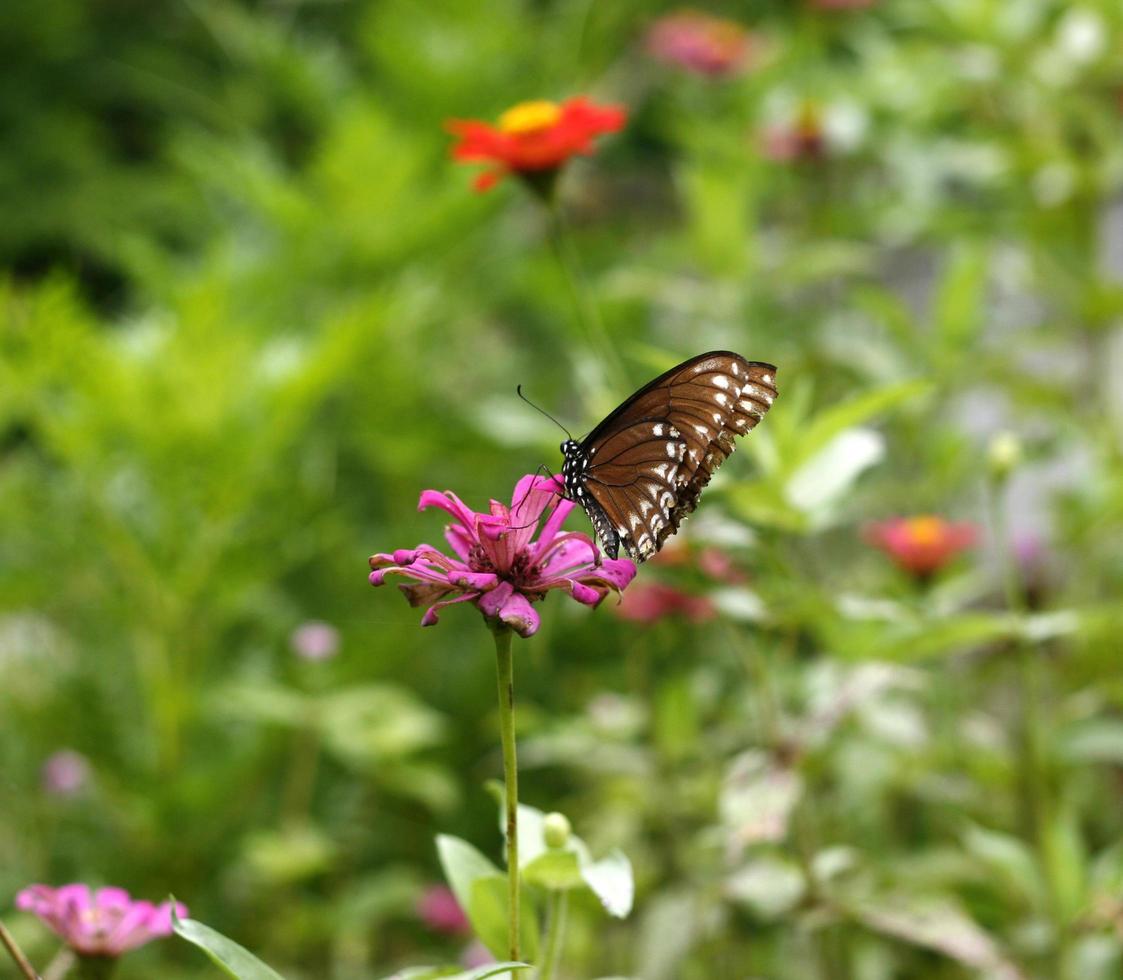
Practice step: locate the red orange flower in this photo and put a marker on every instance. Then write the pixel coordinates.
(922, 545)
(533, 139)
(700, 43)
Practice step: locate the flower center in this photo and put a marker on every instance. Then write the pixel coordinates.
(925, 531)
(530, 117)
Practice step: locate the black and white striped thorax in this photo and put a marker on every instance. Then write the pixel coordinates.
(641, 471)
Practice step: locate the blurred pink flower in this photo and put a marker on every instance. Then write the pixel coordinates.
(476, 954)
(700, 43)
(440, 911)
(103, 923)
(710, 561)
(66, 773)
(650, 602)
(921, 545)
(315, 640)
(801, 138)
(498, 566)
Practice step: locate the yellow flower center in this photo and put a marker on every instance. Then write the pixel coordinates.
(925, 530)
(530, 117)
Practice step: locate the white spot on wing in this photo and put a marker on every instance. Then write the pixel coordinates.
(721, 398)
(657, 430)
(721, 381)
(702, 431)
(671, 450)
(766, 378)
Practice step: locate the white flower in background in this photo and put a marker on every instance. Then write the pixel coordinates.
(1081, 35)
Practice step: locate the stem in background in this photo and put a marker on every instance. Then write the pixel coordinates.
(16, 954)
(558, 907)
(298, 792)
(60, 966)
(588, 316)
(1030, 740)
(505, 679)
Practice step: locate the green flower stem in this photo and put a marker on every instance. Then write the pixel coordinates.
(1031, 733)
(16, 954)
(558, 908)
(505, 678)
(588, 316)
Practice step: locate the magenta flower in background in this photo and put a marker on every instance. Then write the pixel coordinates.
(499, 566)
(107, 922)
(440, 911)
(651, 602)
(66, 773)
(700, 43)
(315, 640)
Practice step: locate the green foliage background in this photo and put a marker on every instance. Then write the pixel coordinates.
(250, 309)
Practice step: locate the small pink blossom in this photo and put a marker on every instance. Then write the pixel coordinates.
(922, 545)
(315, 640)
(107, 922)
(700, 43)
(66, 773)
(499, 567)
(476, 954)
(650, 602)
(440, 911)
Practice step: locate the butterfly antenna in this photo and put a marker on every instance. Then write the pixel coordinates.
(542, 411)
(550, 506)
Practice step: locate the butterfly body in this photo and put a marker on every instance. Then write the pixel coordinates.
(641, 471)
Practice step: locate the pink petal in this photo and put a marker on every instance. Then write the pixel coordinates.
(519, 614)
(430, 618)
(476, 581)
(460, 540)
(449, 502)
(551, 528)
(492, 602)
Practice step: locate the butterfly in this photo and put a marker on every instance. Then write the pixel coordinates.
(641, 471)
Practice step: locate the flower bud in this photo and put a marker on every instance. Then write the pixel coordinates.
(1004, 455)
(556, 829)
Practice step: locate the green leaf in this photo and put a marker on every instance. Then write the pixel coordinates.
(456, 973)
(487, 910)
(481, 889)
(555, 870)
(959, 302)
(612, 882)
(234, 959)
(462, 865)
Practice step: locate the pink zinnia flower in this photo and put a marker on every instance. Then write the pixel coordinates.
(66, 773)
(922, 545)
(650, 602)
(103, 923)
(440, 911)
(315, 640)
(700, 43)
(499, 567)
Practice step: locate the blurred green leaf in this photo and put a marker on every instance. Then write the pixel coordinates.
(226, 953)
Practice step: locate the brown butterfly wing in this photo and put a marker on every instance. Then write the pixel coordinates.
(650, 459)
